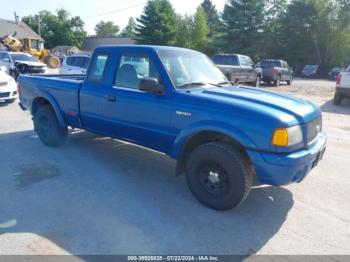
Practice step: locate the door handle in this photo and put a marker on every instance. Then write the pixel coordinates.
(111, 98)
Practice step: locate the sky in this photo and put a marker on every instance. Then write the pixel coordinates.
(93, 11)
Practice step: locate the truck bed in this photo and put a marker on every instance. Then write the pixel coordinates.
(63, 89)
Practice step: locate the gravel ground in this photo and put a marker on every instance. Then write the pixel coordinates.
(96, 195)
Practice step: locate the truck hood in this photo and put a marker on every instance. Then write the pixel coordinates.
(282, 106)
(30, 63)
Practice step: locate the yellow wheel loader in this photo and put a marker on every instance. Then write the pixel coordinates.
(34, 47)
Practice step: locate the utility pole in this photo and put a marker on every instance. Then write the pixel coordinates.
(39, 25)
(16, 17)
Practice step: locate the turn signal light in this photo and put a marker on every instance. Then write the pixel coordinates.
(280, 137)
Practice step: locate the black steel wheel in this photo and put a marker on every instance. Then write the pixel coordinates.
(218, 176)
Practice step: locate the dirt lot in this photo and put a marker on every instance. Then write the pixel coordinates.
(99, 196)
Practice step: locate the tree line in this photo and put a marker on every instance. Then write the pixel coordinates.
(299, 31)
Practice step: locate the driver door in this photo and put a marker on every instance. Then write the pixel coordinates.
(137, 116)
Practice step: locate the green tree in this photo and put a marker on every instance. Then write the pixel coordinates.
(213, 18)
(243, 26)
(200, 31)
(130, 29)
(186, 27)
(158, 24)
(315, 32)
(106, 29)
(57, 29)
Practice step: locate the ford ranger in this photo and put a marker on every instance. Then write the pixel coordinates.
(176, 101)
(239, 69)
(276, 71)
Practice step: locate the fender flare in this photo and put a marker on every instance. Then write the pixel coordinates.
(54, 104)
(212, 126)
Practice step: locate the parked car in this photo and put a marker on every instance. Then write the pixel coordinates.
(335, 72)
(8, 87)
(17, 63)
(342, 87)
(75, 64)
(179, 103)
(276, 71)
(310, 71)
(239, 69)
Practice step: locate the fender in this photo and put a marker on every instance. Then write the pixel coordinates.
(46, 95)
(209, 125)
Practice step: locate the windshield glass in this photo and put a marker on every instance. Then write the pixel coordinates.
(189, 67)
(270, 63)
(22, 57)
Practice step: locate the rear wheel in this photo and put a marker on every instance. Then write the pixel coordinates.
(49, 130)
(257, 82)
(218, 176)
(337, 99)
(290, 81)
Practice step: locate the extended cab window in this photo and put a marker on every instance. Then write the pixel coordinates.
(97, 68)
(132, 68)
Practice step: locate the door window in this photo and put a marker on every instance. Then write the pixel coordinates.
(246, 61)
(98, 68)
(133, 68)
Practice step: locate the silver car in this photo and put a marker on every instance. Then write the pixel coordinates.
(75, 64)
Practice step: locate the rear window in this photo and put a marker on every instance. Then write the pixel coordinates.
(78, 61)
(270, 63)
(226, 60)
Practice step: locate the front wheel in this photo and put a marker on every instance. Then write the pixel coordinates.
(218, 176)
(290, 81)
(49, 130)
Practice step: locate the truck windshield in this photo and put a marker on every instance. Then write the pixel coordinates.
(270, 63)
(191, 69)
(22, 57)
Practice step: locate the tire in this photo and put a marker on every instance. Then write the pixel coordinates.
(290, 81)
(257, 82)
(218, 176)
(228, 76)
(278, 81)
(52, 61)
(49, 130)
(337, 99)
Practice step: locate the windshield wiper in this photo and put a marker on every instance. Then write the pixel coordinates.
(193, 84)
(203, 84)
(223, 83)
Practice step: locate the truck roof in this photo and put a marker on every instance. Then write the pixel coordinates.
(150, 47)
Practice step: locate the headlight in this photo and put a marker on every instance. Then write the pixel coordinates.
(287, 136)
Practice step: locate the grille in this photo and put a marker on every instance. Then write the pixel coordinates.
(313, 129)
(33, 69)
(7, 94)
(3, 83)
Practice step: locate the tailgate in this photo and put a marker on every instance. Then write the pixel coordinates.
(345, 80)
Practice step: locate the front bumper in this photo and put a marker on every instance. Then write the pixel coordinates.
(283, 169)
(269, 78)
(8, 91)
(343, 91)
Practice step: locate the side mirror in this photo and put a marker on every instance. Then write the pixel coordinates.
(150, 84)
(6, 60)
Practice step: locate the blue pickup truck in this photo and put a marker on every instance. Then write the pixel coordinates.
(176, 101)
